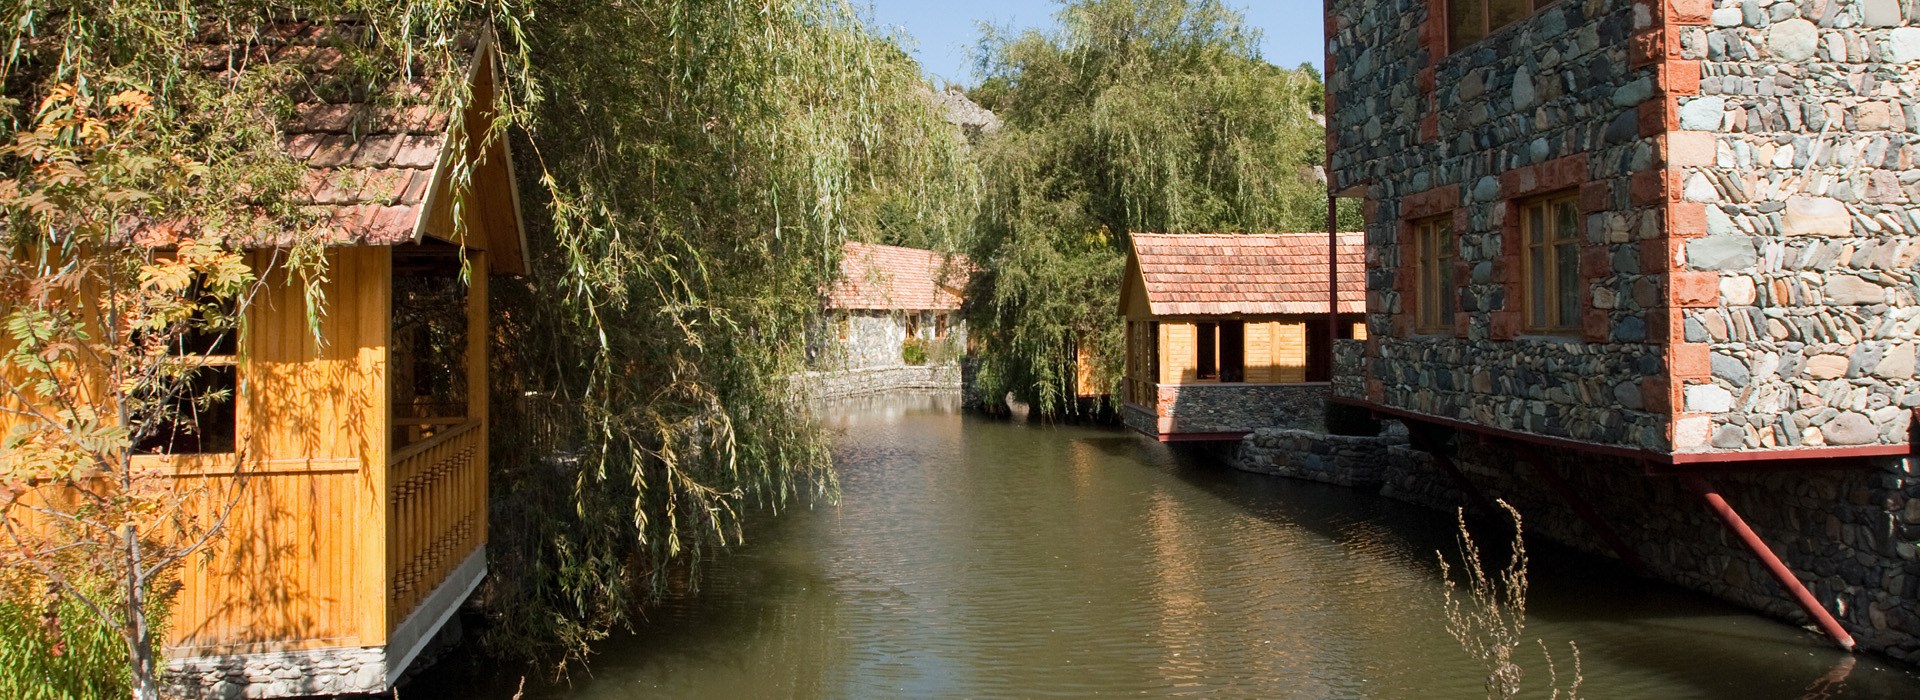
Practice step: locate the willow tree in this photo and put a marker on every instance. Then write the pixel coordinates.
(703, 162)
(1134, 115)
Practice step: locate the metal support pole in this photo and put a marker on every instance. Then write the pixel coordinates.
(1333, 278)
(1781, 573)
(1583, 509)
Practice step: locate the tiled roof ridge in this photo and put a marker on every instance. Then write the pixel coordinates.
(878, 276)
(1247, 273)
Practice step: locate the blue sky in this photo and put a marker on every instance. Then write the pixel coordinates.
(946, 31)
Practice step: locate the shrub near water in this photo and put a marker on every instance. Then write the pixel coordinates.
(53, 649)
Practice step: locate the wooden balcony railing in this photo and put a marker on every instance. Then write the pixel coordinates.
(436, 513)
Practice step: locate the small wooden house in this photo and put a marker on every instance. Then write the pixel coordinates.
(356, 462)
(1228, 333)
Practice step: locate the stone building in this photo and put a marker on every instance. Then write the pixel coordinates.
(1227, 333)
(1671, 242)
(891, 321)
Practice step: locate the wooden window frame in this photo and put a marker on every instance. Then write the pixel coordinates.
(1487, 28)
(1550, 273)
(1436, 291)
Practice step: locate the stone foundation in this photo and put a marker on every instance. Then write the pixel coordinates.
(878, 380)
(343, 671)
(1200, 409)
(1360, 462)
(1851, 536)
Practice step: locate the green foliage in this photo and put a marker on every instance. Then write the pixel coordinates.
(52, 648)
(914, 351)
(696, 201)
(1138, 115)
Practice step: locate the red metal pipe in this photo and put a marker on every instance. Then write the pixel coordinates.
(1583, 509)
(1779, 569)
(1333, 274)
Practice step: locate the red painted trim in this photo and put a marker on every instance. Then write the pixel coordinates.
(1781, 573)
(1754, 460)
(1202, 437)
(1797, 453)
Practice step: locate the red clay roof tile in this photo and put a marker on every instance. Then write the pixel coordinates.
(895, 278)
(1247, 274)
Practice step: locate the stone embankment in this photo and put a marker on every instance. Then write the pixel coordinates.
(1853, 536)
(877, 380)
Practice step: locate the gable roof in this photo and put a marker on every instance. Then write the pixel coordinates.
(890, 277)
(377, 174)
(1245, 274)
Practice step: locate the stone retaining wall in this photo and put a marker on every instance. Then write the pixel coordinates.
(877, 380)
(1240, 408)
(1852, 536)
(1361, 462)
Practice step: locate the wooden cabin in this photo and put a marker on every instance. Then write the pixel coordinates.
(361, 521)
(1227, 333)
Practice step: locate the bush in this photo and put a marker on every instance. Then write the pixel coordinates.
(914, 352)
(54, 649)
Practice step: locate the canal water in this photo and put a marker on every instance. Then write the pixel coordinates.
(974, 558)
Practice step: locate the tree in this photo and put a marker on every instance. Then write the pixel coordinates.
(1136, 115)
(695, 205)
(109, 353)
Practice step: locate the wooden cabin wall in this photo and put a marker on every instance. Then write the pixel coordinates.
(1178, 343)
(302, 564)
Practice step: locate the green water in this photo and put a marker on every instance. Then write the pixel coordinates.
(974, 558)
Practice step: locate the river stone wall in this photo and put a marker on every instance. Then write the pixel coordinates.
(1239, 408)
(1853, 537)
(1801, 152)
(317, 672)
(874, 338)
(878, 380)
(1850, 536)
(1549, 105)
(1354, 461)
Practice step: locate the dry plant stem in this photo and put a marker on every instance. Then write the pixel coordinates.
(1487, 614)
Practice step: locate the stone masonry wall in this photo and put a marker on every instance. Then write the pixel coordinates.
(878, 380)
(1853, 537)
(1850, 536)
(1801, 152)
(1313, 455)
(1548, 105)
(875, 337)
(1240, 408)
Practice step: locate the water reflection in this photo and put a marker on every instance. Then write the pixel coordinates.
(973, 558)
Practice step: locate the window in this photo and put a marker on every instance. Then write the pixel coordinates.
(843, 326)
(1469, 21)
(1204, 349)
(940, 326)
(1550, 262)
(1233, 351)
(913, 325)
(191, 410)
(1434, 293)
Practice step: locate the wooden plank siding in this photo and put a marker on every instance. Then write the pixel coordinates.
(301, 563)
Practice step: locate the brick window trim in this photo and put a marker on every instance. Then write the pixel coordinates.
(1569, 175)
(1414, 209)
